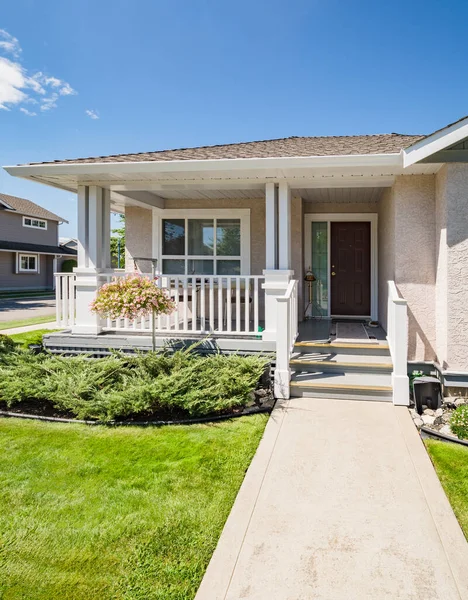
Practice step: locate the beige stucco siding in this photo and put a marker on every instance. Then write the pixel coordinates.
(452, 196)
(441, 301)
(415, 269)
(138, 238)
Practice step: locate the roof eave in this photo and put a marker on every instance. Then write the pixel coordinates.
(228, 164)
(435, 142)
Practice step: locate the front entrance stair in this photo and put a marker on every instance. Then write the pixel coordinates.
(341, 370)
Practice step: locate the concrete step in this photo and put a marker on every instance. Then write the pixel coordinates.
(379, 348)
(352, 386)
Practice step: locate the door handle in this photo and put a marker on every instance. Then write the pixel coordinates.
(333, 273)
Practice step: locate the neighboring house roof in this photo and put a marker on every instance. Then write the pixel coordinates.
(36, 248)
(388, 143)
(70, 242)
(28, 208)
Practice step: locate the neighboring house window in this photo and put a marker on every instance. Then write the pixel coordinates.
(28, 263)
(211, 245)
(34, 223)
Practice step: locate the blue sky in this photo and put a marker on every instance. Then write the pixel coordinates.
(177, 73)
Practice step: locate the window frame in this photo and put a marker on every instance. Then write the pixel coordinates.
(36, 257)
(187, 214)
(31, 226)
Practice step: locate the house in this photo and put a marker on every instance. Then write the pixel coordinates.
(295, 245)
(29, 245)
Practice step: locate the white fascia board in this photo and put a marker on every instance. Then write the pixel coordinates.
(444, 138)
(228, 164)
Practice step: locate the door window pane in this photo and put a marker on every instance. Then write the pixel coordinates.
(228, 237)
(228, 267)
(201, 237)
(173, 266)
(174, 236)
(320, 269)
(200, 267)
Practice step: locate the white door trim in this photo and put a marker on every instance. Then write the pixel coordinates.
(309, 218)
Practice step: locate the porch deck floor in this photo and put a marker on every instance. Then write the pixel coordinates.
(324, 330)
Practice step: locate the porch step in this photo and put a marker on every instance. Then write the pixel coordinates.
(311, 365)
(351, 386)
(380, 349)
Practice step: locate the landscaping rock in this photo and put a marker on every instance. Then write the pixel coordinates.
(428, 419)
(460, 402)
(429, 412)
(424, 407)
(439, 412)
(418, 422)
(446, 430)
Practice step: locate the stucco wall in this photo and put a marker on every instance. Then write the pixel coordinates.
(138, 237)
(441, 301)
(415, 268)
(453, 280)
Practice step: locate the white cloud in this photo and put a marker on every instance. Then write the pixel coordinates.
(9, 44)
(28, 112)
(17, 86)
(92, 114)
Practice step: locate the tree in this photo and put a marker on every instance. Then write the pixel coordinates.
(118, 241)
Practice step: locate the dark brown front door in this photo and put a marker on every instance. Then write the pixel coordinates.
(350, 269)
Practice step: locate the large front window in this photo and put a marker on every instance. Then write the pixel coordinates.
(201, 246)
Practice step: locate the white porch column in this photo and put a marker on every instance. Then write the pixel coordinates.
(271, 226)
(93, 254)
(276, 283)
(284, 226)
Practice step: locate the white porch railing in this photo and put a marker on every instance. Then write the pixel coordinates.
(397, 336)
(286, 334)
(203, 304)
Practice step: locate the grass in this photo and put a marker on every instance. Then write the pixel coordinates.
(122, 513)
(451, 464)
(25, 322)
(30, 337)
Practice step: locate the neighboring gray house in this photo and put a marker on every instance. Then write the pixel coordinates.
(29, 245)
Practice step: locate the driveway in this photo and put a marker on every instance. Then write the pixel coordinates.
(26, 308)
(341, 502)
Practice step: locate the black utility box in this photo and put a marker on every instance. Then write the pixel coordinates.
(427, 391)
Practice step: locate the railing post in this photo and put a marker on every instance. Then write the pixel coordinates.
(276, 283)
(397, 335)
(283, 335)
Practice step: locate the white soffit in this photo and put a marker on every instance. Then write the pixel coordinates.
(437, 141)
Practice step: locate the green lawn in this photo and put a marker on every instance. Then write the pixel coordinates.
(25, 322)
(124, 513)
(451, 464)
(30, 337)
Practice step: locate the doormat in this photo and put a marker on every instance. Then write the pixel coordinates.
(352, 333)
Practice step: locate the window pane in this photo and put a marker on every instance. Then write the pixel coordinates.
(173, 267)
(228, 267)
(42, 224)
(173, 236)
(201, 237)
(27, 221)
(32, 263)
(200, 267)
(319, 269)
(24, 262)
(228, 237)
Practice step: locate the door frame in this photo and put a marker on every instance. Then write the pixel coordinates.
(328, 218)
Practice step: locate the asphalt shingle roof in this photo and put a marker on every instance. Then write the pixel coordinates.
(28, 208)
(387, 143)
(37, 248)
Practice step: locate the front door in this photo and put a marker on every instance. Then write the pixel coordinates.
(350, 269)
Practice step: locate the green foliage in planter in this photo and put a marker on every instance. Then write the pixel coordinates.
(459, 422)
(121, 385)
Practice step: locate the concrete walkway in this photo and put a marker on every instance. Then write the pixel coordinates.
(27, 328)
(341, 502)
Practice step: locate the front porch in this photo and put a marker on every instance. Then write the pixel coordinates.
(235, 268)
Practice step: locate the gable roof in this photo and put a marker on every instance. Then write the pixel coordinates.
(38, 248)
(388, 143)
(28, 208)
